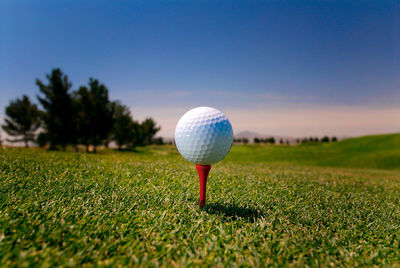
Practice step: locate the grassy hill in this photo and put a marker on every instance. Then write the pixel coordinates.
(266, 205)
(375, 152)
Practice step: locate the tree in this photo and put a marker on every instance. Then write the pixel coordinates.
(325, 139)
(58, 116)
(22, 121)
(94, 114)
(334, 139)
(125, 130)
(237, 140)
(158, 141)
(148, 129)
(42, 139)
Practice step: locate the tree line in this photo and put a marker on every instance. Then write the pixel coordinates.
(324, 139)
(85, 116)
(266, 140)
(271, 140)
(241, 140)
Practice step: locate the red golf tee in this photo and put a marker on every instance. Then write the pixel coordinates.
(203, 174)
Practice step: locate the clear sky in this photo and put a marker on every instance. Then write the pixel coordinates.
(274, 67)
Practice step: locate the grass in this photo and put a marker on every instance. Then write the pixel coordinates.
(378, 152)
(266, 206)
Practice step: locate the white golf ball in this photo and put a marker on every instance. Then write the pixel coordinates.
(204, 136)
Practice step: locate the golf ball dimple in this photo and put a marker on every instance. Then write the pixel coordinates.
(204, 135)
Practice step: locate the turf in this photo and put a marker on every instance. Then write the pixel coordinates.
(141, 208)
(378, 152)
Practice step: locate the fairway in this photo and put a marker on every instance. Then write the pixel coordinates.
(267, 205)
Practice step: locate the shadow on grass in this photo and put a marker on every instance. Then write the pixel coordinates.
(233, 212)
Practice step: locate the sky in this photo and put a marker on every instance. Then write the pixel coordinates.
(293, 68)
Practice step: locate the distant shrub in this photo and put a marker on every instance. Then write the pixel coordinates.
(325, 139)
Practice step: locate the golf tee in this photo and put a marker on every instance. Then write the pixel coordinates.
(203, 174)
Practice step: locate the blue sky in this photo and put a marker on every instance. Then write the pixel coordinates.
(275, 67)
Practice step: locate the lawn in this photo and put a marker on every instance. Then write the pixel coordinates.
(315, 205)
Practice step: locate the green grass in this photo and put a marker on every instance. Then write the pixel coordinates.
(378, 152)
(266, 206)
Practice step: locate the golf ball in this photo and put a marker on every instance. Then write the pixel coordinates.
(204, 136)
